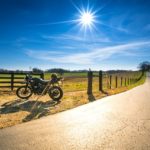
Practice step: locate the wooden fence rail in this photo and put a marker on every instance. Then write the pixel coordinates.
(8, 79)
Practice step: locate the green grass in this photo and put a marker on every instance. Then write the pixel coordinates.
(140, 82)
(68, 74)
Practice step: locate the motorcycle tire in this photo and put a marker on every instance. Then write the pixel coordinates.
(22, 94)
(55, 93)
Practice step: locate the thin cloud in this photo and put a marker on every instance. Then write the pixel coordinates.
(63, 37)
(89, 57)
(76, 38)
(55, 23)
(42, 52)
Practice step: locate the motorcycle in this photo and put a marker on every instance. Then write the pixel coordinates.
(39, 86)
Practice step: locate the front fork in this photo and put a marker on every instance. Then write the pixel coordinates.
(26, 87)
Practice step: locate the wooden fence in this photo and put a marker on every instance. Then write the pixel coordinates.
(14, 79)
(113, 80)
(103, 80)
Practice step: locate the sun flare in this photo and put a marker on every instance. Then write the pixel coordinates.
(86, 18)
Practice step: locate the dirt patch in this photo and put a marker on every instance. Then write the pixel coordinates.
(14, 110)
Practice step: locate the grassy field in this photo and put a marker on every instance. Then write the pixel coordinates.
(69, 74)
(14, 110)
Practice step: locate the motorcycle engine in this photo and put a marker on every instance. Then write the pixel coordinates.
(37, 86)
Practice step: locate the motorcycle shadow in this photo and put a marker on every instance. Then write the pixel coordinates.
(40, 108)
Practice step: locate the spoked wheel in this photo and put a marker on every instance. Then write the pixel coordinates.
(24, 92)
(55, 93)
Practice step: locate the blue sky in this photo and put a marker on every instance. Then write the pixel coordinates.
(47, 34)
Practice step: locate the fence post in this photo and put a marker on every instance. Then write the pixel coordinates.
(133, 80)
(110, 80)
(42, 75)
(90, 79)
(121, 81)
(116, 81)
(128, 81)
(136, 79)
(101, 81)
(12, 81)
(125, 82)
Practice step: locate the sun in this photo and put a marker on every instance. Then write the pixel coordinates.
(86, 18)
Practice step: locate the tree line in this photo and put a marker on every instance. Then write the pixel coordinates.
(144, 66)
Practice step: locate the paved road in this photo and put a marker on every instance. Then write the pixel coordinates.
(116, 122)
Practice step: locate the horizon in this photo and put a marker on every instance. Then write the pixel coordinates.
(45, 35)
(44, 70)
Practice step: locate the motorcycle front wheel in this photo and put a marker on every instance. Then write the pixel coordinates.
(55, 93)
(24, 92)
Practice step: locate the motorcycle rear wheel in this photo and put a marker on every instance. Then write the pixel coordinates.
(24, 92)
(55, 93)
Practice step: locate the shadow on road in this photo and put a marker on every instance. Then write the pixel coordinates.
(41, 108)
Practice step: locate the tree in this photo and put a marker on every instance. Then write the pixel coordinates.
(37, 70)
(57, 70)
(144, 66)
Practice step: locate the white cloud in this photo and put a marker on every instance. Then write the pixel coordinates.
(89, 57)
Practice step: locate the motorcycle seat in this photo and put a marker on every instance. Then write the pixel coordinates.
(44, 81)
